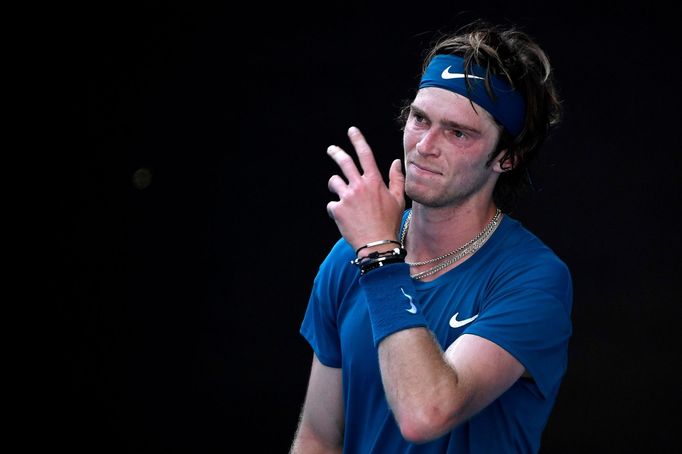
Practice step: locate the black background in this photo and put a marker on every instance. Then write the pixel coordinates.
(179, 303)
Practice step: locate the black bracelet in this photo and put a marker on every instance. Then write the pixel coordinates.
(378, 259)
(373, 264)
(395, 252)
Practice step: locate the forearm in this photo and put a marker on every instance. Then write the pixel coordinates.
(420, 386)
(431, 392)
(320, 428)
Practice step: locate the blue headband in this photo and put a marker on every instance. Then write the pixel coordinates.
(507, 106)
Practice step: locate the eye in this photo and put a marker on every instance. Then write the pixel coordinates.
(457, 133)
(418, 120)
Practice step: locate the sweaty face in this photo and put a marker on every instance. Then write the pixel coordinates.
(447, 145)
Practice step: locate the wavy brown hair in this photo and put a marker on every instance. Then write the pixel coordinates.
(512, 55)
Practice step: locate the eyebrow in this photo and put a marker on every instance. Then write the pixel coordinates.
(446, 123)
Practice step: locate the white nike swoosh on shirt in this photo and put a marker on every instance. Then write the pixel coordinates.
(446, 74)
(413, 308)
(458, 323)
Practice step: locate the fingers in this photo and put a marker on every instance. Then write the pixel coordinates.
(337, 185)
(396, 180)
(364, 152)
(344, 161)
(330, 209)
(366, 207)
(368, 164)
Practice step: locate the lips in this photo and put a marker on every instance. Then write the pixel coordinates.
(424, 168)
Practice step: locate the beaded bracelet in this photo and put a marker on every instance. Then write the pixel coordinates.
(378, 259)
(395, 252)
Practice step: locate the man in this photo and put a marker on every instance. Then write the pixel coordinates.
(442, 328)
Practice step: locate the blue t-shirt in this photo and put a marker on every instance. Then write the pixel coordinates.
(516, 293)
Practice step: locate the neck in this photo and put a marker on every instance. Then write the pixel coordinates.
(436, 231)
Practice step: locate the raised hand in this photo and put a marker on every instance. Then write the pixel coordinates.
(367, 209)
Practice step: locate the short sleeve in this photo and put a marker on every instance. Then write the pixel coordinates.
(528, 313)
(320, 322)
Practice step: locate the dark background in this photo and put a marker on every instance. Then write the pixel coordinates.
(179, 297)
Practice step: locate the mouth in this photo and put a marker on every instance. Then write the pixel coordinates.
(421, 169)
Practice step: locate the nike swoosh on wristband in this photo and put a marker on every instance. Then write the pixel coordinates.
(413, 308)
(459, 323)
(446, 74)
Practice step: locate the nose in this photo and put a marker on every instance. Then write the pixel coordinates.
(427, 144)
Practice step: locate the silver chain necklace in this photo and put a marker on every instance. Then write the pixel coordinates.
(469, 247)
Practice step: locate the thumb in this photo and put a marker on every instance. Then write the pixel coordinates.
(396, 181)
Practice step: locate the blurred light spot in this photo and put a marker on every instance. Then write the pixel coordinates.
(142, 178)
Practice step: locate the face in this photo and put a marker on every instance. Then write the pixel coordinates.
(447, 145)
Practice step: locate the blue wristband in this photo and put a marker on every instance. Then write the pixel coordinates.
(390, 293)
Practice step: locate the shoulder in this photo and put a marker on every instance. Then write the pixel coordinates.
(336, 268)
(517, 240)
(523, 253)
(339, 256)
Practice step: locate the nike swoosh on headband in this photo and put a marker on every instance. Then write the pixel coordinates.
(446, 74)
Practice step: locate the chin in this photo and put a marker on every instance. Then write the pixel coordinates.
(424, 199)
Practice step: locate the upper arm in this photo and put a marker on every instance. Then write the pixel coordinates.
(484, 371)
(321, 425)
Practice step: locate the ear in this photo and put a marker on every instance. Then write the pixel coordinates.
(503, 164)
